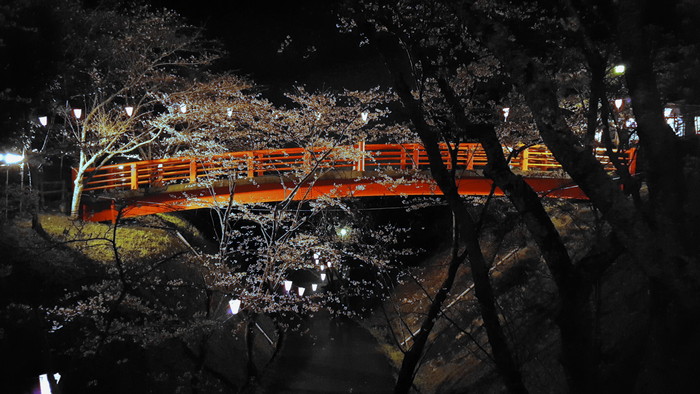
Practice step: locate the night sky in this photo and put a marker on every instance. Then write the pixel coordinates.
(317, 56)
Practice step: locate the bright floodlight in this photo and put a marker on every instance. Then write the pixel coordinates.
(183, 108)
(129, 110)
(365, 115)
(77, 112)
(314, 286)
(44, 385)
(287, 285)
(11, 158)
(619, 69)
(323, 277)
(235, 306)
(506, 112)
(301, 291)
(618, 103)
(43, 120)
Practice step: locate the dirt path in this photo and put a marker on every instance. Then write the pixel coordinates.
(334, 356)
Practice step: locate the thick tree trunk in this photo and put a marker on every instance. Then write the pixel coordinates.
(575, 316)
(505, 363)
(630, 225)
(77, 193)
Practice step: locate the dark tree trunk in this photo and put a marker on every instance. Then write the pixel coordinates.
(575, 315)
(505, 363)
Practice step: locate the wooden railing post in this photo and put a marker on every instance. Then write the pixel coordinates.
(360, 163)
(524, 165)
(416, 157)
(250, 163)
(471, 152)
(193, 171)
(134, 178)
(306, 161)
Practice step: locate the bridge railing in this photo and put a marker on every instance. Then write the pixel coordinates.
(361, 157)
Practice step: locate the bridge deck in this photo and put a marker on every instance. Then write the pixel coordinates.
(147, 187)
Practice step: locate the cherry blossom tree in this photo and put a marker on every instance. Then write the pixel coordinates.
(113, 63)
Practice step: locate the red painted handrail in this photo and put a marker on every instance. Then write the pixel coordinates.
(361, 157)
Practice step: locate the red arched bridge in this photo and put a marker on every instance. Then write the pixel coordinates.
(364, 170)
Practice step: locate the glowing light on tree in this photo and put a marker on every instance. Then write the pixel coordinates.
(506, 112)
(287, 285)
(618, 103)
(619, 69)
(43, 120)
(301, 291)
(183, 108)
(129, 110)
(77, 112)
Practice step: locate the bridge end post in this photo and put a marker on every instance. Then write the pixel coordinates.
(524, 165)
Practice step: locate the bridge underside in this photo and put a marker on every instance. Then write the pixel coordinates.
(334, 184)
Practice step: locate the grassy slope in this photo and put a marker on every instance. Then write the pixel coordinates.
(148, 238)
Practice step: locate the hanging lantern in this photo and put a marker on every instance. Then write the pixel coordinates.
(129, 110)
(235, 306)
(365, 116)
(43, 120)
(314, 286)
(183, 108)
(323, 277)
(77, 112)
(301, 291)
(287, 285)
